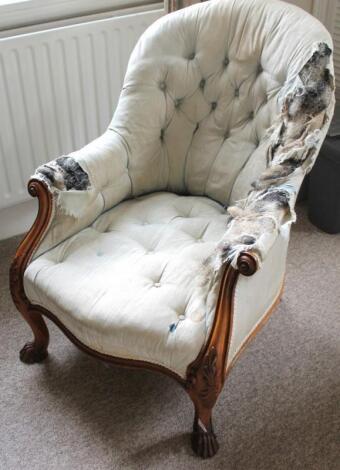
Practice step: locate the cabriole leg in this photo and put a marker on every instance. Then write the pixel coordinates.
(204, 386)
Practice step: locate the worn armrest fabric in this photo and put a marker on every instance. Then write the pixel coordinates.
(294, 142)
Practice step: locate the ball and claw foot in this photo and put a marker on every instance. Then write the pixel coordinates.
(31, 353)
(203, 440)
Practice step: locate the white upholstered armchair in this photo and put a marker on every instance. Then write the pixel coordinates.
(162, 244)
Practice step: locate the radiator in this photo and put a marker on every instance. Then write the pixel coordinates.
(58, 90)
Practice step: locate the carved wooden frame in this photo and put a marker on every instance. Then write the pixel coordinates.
(205, 375)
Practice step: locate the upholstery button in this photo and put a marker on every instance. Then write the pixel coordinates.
(162, 134)
(191, 56)
(197, 127)
(259, 69)
(178, 102)
(237, 92)
(162, 86)
(226, 135)
(226, 61)
(202, 83)
(251, 115)
(213, 105)
(181, 317)
(157, 284)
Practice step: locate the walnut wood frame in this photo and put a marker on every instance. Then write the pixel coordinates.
(205, 376)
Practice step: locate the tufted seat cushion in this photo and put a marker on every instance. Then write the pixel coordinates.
(133, 283)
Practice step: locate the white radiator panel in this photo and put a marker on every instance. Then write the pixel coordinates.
(58, 91)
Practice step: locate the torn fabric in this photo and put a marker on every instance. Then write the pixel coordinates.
(295, 140)
(69, 184)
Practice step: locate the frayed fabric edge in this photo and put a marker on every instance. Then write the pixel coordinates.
(69, 184)
(295, 140)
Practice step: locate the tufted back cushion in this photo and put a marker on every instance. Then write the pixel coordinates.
(202, 87)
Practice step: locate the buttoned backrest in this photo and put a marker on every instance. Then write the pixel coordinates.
(202, 87)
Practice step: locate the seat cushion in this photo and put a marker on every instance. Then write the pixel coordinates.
(134, 284)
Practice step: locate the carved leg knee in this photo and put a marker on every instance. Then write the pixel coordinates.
(35, 351)
(203, 439)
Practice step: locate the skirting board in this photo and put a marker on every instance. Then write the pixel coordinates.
(17, 219)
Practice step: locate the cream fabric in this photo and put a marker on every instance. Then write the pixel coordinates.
(133, 284)
(202, 87)
(255, 295)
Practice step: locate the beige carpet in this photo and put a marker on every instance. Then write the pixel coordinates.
(280, 408)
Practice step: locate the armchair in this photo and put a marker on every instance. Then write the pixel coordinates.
(162, 244)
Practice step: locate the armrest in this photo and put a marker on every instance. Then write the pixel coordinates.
(83, 185)
(254, 297)
(76, 179)
(294, 143)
